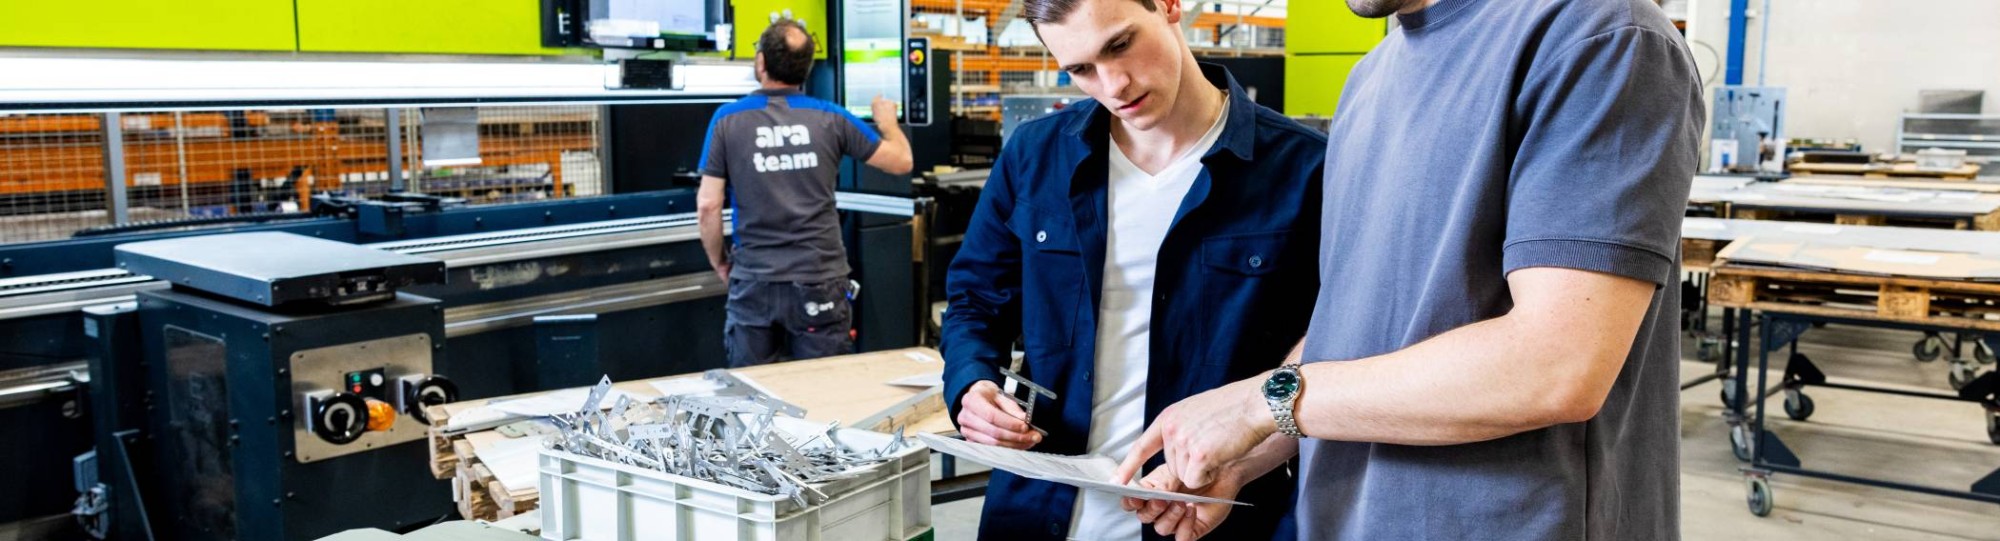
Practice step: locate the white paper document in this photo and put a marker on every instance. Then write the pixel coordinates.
(546, 404)
(920, 381)
(1082, 471)
(513, 461)
(685, 386)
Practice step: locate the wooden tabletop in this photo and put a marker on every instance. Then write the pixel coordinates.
(846, 388)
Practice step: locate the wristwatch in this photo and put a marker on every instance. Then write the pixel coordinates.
(1281, 392)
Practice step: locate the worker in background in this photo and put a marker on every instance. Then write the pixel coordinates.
(1497, 354)
(774, 157)
(1154, 241)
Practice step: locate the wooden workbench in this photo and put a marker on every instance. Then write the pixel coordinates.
(847, 389)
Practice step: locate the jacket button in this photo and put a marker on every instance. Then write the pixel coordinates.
(1256, 261)
(1041, 236)
(1055, 529)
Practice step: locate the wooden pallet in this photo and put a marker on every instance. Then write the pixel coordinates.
(1875, 170)
(1971, 305)
(443, 457)
(1700, 252)
(481, 496)
(1987, 222)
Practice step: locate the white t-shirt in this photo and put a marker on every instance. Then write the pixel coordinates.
(1142, 208)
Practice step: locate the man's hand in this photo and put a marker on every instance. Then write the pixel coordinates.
(885, 110)
(722, 270)
(986, 417)
(1185, 521)
(1204, 434)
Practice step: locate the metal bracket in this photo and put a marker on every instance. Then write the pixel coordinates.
(1800, 370)
(1784, 331)
(1988, 485)
(1773, 450)
(735, 386)
(1016, 382)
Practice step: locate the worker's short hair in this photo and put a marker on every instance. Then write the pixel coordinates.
(1054, 11)
(782, 62)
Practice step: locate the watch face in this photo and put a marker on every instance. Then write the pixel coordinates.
(1283, 384)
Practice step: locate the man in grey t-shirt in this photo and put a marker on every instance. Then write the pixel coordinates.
(1494, 351)
(774, 156)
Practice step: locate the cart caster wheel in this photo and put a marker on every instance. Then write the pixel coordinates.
(1728, 394)
(1962, 374)
(1707, 350)
(1982, 352)
(1929, 348)
(1739, 442)
(1760, 497)
(1798, 406)
(1993, 428)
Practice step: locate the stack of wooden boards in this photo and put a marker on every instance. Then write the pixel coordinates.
(1854, 201)
(1885, 170)
(848, 389)
(1884, 273)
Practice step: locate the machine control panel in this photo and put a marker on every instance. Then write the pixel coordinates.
(337, 417)
(364, 395)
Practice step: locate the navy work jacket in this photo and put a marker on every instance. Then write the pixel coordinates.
(1233, 288)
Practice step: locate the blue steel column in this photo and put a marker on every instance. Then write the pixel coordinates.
(1732, 73)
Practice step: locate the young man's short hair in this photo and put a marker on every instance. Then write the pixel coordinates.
(782, 62)
(1054, 11)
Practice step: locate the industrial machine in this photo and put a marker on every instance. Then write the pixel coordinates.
(276, 379)
(1747, 130)
(634, 262)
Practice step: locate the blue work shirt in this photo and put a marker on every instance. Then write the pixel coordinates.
(1233, 288)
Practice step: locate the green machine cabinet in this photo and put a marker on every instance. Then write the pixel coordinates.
(752, 16)
(233, 25)
(422, 26)
(1323, 41)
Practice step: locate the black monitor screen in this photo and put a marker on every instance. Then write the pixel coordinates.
(637, 24)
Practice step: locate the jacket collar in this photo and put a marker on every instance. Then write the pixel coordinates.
(1239, 133)
(786, 91)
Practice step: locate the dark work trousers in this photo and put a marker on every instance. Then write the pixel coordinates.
(777, 321)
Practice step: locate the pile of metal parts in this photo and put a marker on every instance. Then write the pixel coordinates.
(729, 438)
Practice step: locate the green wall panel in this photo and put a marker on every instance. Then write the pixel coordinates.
(752, 16)
(1313, 83)
(1328, 27)
(510, 27)
(241, 25)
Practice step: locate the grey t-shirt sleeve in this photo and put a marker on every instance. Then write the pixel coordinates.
(1606, 157)
(857, 138)
(714, 162)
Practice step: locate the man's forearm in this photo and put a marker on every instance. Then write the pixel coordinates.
(710, 225)
(889, 130)
(1479, 382)
(1267, 456)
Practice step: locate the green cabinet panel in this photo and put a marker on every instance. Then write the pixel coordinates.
(1313, 82)
(752, 16)
(238, 25)
(1328, 27)
(511, 27)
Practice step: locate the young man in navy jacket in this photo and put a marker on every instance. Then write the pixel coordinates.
(1153, 242)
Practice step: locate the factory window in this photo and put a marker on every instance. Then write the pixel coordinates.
(223, 164)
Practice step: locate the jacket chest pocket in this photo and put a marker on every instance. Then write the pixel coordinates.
(1240, 283)
(1249, 254)
(1051, 274)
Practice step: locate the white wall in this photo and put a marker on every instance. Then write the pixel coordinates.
(1851, 66)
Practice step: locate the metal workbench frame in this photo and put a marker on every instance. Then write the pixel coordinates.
(1767, 454)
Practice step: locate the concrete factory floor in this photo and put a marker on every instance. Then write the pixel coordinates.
(1931, 442)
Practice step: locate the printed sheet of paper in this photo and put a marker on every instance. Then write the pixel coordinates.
(1083, 471)
(920, 381)
(546, 404)
(685, 386)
